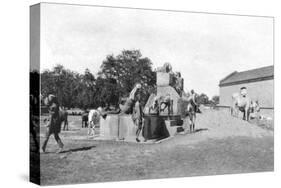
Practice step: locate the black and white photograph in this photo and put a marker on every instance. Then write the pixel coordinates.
(120, 94)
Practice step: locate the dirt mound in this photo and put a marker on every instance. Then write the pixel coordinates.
(221, 124)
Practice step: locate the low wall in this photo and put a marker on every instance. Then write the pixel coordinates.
(109, 127)
(119, 127)
(122, 127)
(267, 112)
(127, 128)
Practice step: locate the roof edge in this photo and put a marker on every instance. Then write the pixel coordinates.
(231, 74)
(247, 81)
(269, 76)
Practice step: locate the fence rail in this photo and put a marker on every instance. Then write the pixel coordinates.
(264, 108)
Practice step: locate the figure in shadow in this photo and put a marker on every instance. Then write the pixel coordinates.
(34, 119)
(54, 122)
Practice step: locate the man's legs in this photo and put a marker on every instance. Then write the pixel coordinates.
(34, 136)
(89, 128)
(139, 128)
(47, 136)
(93, 129)
(57, 138)
(65, 127)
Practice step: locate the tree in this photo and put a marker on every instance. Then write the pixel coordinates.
(88, 90)
(202, 99)
(106, 92)
(123, 71)
(216, 99)
(116, 79)
(63, 83)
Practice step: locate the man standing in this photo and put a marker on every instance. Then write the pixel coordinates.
(192, 100)
(54, 122)
(137, 117)
(178, 83)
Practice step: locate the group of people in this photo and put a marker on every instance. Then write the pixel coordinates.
(132, 106)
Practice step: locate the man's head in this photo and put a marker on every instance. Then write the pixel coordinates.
(243, 88)
(243, 91)
(192, 91)
(138, 85)
(99, 109)
(178, 74)
(102, 113)
(50, 99)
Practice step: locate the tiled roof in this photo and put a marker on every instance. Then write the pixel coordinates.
(248, 76)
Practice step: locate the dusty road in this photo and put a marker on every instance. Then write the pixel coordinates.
(221, 145)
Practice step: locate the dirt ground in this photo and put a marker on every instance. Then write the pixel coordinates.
(221, 145)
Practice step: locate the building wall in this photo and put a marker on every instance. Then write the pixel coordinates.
(262, 91)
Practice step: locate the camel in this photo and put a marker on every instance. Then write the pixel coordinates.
(127, 107)
(166, 102)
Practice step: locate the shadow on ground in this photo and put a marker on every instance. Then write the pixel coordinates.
(199, 130)
(78, 149)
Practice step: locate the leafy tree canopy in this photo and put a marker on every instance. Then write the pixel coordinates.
(116, 78)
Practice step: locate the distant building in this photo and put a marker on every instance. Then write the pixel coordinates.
(259, 83)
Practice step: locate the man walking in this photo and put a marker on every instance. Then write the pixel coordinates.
(54, 122)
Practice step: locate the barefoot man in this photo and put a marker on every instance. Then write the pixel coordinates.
(137, 116)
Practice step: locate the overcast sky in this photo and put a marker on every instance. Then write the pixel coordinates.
(203, 47)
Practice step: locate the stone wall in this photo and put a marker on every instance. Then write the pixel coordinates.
(164, 79)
